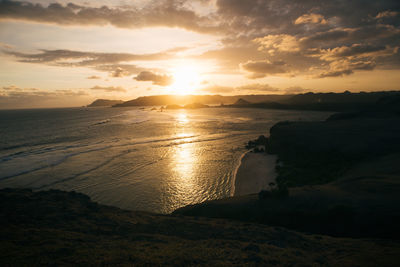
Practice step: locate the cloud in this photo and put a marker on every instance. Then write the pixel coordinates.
(309, 36)
(154, 13)
(337, 73)
(15, 91)
(345, 60)
(63, 57)
(346, 67)
(12, 97)
(94, 77)
(310, 18)
(148, 76)
(108, 88)
(311, 54)
(278, 43)
(6, 46)
(119, 72)
(113, 63)
(387, 14)
(259, 88)
(255, 88)
(10, 88)
(355, 49)
(296, 90)
(229, 58)
(260, 69)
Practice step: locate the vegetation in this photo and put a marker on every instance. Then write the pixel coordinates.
(313, 168)
(61, 228)
(275, 191)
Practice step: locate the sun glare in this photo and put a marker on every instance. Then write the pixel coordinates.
(186, 81)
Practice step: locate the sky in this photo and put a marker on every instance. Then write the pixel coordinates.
(69, 53)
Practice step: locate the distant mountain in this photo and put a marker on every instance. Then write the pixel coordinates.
(345, 97)
(345, 101)
(241, 102)
(104, 103)
(162, 100)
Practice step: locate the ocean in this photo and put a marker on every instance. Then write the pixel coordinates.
(132, 158)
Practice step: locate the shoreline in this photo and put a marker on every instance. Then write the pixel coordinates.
(254, 173)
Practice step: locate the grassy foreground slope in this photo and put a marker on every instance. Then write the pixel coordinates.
(60, 228)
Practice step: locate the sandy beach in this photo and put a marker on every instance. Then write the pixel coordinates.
(255, 172)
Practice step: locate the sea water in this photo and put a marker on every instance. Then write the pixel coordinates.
(132, 158)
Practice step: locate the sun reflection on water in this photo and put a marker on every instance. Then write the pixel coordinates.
(185, 160)
(182, 118)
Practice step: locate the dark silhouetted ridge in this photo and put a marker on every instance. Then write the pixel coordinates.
(104, 103)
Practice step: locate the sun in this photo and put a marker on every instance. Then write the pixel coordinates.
(186, 81)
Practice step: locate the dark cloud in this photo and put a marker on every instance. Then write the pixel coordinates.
(310, 18)
(233, 17)
(80, 58)
(324, 38)
(337, 73)
(260, 69)
(332, 54)
(311, 35)
(148, 76)
(108, 88)
(278, 16)
(387, 14)
(356, 50)
(113, 63)
(154, 13)
(346, 67)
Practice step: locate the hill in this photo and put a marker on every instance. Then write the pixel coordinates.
(241, 102)
(324, 101)
(104, 103)
(66, 228)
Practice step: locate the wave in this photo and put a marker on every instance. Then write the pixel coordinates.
(45, 157)
(102, 122)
